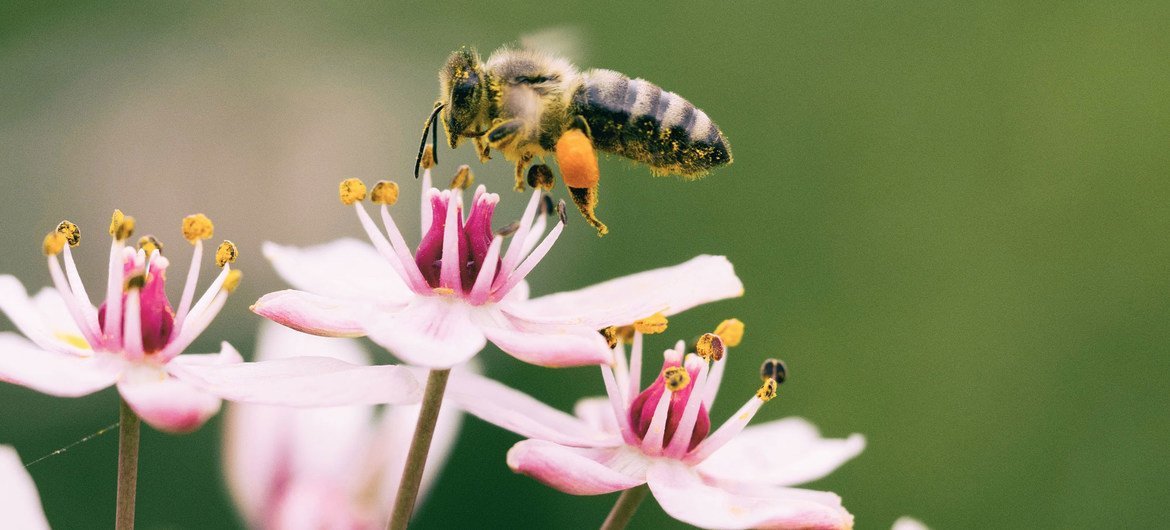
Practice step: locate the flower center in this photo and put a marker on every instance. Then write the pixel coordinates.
(676, 379)
(470, 241)
(156, 315)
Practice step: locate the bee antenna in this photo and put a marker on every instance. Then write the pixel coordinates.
(430, 127)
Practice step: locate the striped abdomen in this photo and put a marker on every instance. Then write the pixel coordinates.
(636, 119)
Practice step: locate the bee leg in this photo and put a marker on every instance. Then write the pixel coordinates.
(586, 201)
(482, 149)
(580, 124)
(520, 165)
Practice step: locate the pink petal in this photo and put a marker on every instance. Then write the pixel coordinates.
(164, 402)
(19, 501)
(684, 495)
(345, 269)
(313, 314)
(544, 344)
(579, 471)
(597, 412)
(302, 382)
(623, 300)
(433, 331)
(50, 372)
(780, 453)
(520, 413)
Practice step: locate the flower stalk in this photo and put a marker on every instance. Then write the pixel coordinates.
(420, 446)
(623, 510)
(127, 467)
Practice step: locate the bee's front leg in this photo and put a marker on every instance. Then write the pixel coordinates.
(482, 148)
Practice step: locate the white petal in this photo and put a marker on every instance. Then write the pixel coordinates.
(597, 412)
(345, 268)
(553, 345)
(909, 523)
(579, 471)
(522, 414)
(623, 300)
(314, 314)
(684, 495)
(781, 453)
(302, 382)
(50, 372)
(19, 501)
(433, 331)
(44, 320)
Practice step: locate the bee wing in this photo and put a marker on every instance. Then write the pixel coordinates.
(559, 41)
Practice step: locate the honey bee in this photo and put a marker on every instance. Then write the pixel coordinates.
(526, 103)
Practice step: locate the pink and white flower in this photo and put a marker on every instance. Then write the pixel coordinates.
(734, 477)
(19, 501)
(318, 468)
(134, 339)
(438, 307)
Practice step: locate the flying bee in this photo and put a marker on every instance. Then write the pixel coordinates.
(527, 104)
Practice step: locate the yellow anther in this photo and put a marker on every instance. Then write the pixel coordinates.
(767, 391)
(709, 347)
(70, 231)
(428, 158)
(196, 227)
(54, 243)
(652, 324)
(232, 281)
(149, 244)
(351, 191)
(443, 291)
(385, 192)
(731, 331)
(463, 178)
(611, 336)
(226, 253)
(676, 378)
(116, 221)
(540, 176)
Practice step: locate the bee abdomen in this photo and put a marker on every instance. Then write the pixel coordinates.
(636, 119)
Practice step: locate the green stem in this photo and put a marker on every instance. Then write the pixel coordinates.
(127, 468)
(623, 510)
(420, 446)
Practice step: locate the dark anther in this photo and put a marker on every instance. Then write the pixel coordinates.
(508, 229)
(775, 370)
(561, 212)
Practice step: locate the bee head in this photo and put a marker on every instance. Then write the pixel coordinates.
(464, 87)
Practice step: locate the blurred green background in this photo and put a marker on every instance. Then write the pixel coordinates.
(951, 221)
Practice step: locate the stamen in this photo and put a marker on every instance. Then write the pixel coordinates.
(232, 281)
(767, 391)
(541, 177)
(450, 269)
(197, 227)
(132, 338)
(385, 192)
(652, 324)
(71, 302)
(709, 347)
(531, 261)
(411, 275)
(121, 226)
(463, 178)
(652, 441)
(508, 229)
(676, 378)
(53, 244)
(619, 407)
(351, 191)
(684, 432)
(635, 368)
(611, 336)
(226, 253)
(483, 282)
(443, 291)
(514, 254)
(149, 244)
(112, 327)
(70, 231)
(731, 331)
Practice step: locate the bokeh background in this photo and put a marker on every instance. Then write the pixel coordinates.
(951, 220)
